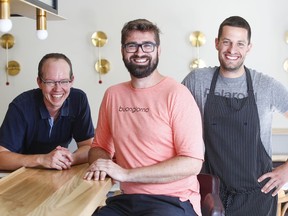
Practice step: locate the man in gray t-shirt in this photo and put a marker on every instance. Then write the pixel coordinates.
(237, 106)
(270, 95)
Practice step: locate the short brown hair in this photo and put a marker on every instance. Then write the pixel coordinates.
(235, 21)
(53, 56)
(142, 25)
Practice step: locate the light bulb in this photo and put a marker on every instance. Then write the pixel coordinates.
(42, 34)
(5, 25)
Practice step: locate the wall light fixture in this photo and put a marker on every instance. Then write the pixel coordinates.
(102, 66)
(41, 24)
(7, 41)
(197, 39)
(5, 22)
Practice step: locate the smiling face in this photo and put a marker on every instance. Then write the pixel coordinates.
(55, 70)
(139, 63)
(232, 46)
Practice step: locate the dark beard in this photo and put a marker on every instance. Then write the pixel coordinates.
(141, 71)
(229, 68)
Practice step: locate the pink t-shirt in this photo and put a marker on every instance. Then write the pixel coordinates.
(142, 127)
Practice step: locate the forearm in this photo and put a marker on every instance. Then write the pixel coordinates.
(12, 161)
(81, 154)
(167, 171)
(96, 153)
(170, 170)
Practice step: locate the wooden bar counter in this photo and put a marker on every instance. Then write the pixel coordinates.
(42, 192)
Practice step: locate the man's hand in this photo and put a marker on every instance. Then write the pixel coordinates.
(278, 177)
(100, 168)
(60, 159)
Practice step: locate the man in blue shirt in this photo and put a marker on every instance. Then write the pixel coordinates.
(40, 123)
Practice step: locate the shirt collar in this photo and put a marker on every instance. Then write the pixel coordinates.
(64, 110)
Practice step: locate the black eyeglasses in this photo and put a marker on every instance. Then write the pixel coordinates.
(52, 83)
(146, 47)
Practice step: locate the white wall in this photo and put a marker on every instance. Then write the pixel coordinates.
(176, 19)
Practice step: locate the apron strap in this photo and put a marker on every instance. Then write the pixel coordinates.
(248, 78)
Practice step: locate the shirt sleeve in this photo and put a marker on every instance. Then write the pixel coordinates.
(12, 131)
(83, 128)
(103, 136)
(187, 126)
(279, 96)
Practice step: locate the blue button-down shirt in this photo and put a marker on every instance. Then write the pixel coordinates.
(26, 127)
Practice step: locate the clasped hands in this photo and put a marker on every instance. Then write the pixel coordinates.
(60, 158)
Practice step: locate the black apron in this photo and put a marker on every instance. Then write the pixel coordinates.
(235, 153)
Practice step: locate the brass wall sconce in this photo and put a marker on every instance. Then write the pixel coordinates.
(12, 68)
(102, 66)
(197, 39)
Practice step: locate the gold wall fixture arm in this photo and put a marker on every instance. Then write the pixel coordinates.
(197, 39)
(102, 66)
(12, 68)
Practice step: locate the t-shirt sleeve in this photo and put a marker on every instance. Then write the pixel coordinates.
(103, 136)
(280, 96)
(187, 126)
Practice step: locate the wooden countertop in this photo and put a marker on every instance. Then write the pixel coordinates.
(42, 192)
(279, 157)
(280, 131)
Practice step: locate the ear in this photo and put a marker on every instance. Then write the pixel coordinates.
(39, 81)
(249, 47)
(122, 51)
(159, 50)
(72, 79)
(216, 43)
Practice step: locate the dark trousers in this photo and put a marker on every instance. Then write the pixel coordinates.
(145, 205)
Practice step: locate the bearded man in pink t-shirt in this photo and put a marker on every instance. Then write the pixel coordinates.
(148, 135)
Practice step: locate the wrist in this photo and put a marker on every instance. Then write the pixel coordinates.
(35, 160)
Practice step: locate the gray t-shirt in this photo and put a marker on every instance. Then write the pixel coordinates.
(270, 95)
